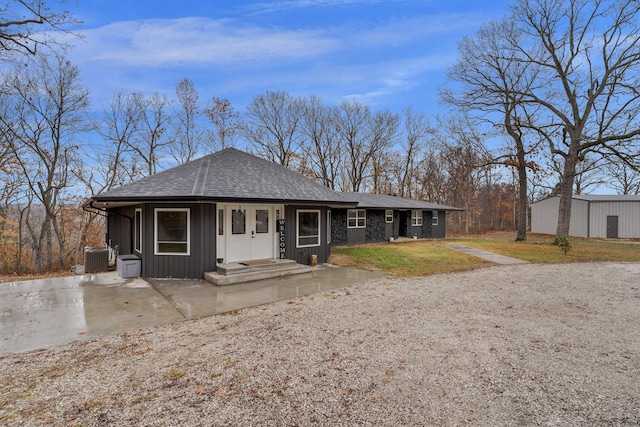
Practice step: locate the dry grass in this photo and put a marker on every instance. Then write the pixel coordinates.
(20, 278)
(539, 248)
(425, 257)
(404, 259)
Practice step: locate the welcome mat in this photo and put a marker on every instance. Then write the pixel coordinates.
(255, 262)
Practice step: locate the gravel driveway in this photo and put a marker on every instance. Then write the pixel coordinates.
(509, 345)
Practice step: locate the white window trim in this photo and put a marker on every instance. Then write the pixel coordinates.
(434, 218)
(155, 231)
(328, 227)
(386, 216)
(306, 237)
(136, 215)
(416, 220)
(357, 218)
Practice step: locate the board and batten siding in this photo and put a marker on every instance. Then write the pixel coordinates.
(303, 255)
(120, 229)
(439, 231)
(202, 252)
(628, 213)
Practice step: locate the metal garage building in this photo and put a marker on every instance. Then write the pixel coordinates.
(591, 216)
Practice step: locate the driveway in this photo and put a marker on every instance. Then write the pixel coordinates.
(45, 313)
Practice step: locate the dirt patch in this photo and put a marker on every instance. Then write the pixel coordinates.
(510, 345)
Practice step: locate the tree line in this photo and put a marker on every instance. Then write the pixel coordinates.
(544, 102)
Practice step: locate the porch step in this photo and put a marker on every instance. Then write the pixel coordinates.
(232, 273)
(251, 266)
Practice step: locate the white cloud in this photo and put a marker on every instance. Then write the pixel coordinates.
(281, 5)
(197, 41)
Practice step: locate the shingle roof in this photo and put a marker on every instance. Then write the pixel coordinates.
(383, 201)
(227, 174)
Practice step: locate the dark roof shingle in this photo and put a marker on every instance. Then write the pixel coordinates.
(384, 201)
(227, 174)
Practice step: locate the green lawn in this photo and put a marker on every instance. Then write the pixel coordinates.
(405, 259)
(425, 257)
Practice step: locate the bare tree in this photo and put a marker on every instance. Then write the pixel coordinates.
(431, 177)
(226, 124)
(47, 106)
(24, 25)
(365, 137)
(186, 127)
(416, 132)
(624, 179)
(153, 138)
(321, 148)
(491, 82)
(383, 130)
(584, 70)
(120, 124)
(588, 174)
(271, 126)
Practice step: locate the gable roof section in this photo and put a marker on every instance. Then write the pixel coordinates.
(384, 201)
(229, 174)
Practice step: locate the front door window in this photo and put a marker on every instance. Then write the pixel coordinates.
(262, 221)
(238, 221)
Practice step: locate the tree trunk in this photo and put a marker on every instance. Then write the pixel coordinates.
(521, 234)
(566, 190)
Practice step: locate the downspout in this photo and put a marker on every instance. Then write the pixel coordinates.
(105, 214)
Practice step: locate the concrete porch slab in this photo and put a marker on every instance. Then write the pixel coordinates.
(45, 313)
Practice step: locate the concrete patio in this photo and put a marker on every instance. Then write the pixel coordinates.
(45, 313)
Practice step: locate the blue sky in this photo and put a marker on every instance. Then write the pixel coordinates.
(384, 53)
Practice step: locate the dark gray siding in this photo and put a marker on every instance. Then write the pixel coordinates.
(356, 236)
(396, 224)
(427, 217)
(377, 230)
(303, 255)
(202, 257)
(439, 231)
(412, 231)
(392, 229)
(120, 229)
(388, 230)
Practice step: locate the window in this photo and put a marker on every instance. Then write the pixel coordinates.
(137, 230)
(238, 221)
(434, 218)
(356, 218)
(172, 231)
(416, 218)
(328, 227)
(308, 230)
(220, 222)
(388, 214)
(262, 221)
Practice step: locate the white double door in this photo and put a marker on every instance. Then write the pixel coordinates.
(250, 232)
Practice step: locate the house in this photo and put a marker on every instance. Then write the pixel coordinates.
(380, 217)
(591, 216)
(226, 207)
